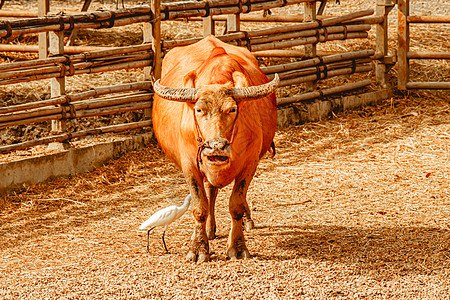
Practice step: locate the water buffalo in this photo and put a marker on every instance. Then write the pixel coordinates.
(215, 116)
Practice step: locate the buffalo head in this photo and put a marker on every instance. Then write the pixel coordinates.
(215, 109)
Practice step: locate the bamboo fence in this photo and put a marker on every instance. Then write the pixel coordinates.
(404, 53)
(137, 96)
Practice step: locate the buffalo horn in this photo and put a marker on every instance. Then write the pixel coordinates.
(240, 93)
(175, 94)
(258, 91)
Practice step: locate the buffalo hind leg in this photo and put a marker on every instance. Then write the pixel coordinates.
(211, 193)
(199, 247)
(236, 240)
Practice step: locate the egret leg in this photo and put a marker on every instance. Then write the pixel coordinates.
(148, 239)
(164, 232)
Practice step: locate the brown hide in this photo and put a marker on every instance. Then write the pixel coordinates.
(213, 62)
(215, 139)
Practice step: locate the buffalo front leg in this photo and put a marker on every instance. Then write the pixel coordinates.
(248, 222)
(211, 192)
(236, 240)
(199, 248)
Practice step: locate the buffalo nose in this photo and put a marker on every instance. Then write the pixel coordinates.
(217, 144)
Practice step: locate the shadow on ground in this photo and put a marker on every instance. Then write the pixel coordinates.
(399, 250)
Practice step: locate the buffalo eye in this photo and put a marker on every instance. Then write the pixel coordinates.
(232, 110)
(198, 110)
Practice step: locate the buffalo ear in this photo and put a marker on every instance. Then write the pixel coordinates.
(189, 79)
(239, 79)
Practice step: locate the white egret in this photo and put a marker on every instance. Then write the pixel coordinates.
(164, 217)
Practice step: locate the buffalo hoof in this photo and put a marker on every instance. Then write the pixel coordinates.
(234, 253)
(199, 248)
(199, 257)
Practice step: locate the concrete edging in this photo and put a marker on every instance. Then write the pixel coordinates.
(73, 161)
(319, 109)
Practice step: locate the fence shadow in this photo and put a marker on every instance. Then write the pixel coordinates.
(396, 250)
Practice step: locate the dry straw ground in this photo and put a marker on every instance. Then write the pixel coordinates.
(353, 207)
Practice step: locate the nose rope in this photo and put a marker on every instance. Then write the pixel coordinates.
(201, 143)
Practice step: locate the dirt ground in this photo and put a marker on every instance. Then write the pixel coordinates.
(353, 207)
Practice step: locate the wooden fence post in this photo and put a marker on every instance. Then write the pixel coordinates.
(310, 49)
(383, 8)
(58, 85)
(234, 23)
(403, 44)
(155, 36)
(322, 6)
(147, 39)
(209, 26)
(43, 9)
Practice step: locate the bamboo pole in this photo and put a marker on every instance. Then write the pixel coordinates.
(297, 18)
(35, 48)
(382, 41)
(156, 39)
(126, 16)
(403, 44)
(283, 36)
(429, 85)
(288, 53)
(428, 55)
(31, 63)
(85, 113)
(80, 109)
(57, 84)
(316, 61)
(291, 66)
(336, 32)
(115, 66)
(372, 20)
(233, 23)
(17, 14)
(108, 110)
(29, 72)
(69, 136)
(112, 51)
(347, 17)
(322, 6)
(291, 34)
(111, 60)
(428, 19)
(82, 68)
(321, 75)
(95, 20)
(323, 92)
(43, 9)
(147, 37)
(307, 40)
(312, 66)
(209, 26)
(310, 49)
(94, 92)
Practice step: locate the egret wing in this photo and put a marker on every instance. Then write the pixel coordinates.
(162, 217)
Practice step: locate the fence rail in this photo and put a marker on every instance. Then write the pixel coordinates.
(137, 96)
(404, 53)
